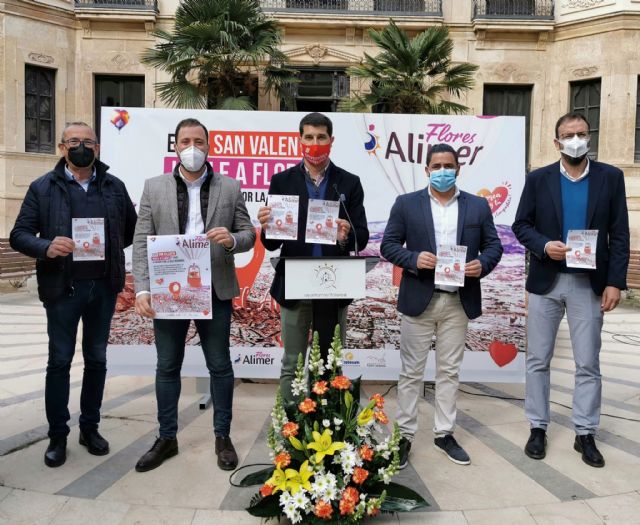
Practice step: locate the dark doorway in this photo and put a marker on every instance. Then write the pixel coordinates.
(512, 101)
(319, 90)
(321, 106)
(112, 90)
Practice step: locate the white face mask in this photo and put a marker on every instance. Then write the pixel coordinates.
(192, 158)
(575, 146)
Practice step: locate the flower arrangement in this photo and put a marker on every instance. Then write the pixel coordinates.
(332, 463)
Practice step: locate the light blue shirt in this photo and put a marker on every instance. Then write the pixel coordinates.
(84, 184)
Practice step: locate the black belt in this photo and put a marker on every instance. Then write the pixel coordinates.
(438, 290)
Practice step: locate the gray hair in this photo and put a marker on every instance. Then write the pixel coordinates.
(76, 123)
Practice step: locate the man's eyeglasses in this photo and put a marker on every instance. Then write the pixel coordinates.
(74, 143)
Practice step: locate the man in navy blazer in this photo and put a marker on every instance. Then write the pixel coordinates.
(420, 222)
(573, 194)
(316, 177)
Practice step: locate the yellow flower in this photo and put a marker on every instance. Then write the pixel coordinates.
(365, 416)
(297, 480)
(323, 445)
(278, 480)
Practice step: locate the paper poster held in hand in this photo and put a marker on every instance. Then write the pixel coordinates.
(582, 252)
(180, 276)
(450, 265)
(88, 236)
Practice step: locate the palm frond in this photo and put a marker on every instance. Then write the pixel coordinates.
(410, 75)
(215, 39)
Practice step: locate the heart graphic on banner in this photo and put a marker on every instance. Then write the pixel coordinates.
(205, 312)
(495, 198)
(159, 281)
(502, 353)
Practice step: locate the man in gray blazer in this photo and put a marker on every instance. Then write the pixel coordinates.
(192, 200)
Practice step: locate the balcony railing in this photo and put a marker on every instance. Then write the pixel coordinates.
(144, 5)
(359, 7)
(518, 9)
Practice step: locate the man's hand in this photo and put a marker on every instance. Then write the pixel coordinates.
(143, 306)
(264, 214)
(426, 261)
(557, 250)
(343, 230)
(221, 235)
(473, 268)
(610, 298)
(60, 247)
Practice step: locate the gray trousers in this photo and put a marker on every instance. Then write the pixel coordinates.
(571, 293)
(295, 326)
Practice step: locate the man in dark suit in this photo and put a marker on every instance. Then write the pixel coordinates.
(316, 177)
(573, 194)
(419, 223)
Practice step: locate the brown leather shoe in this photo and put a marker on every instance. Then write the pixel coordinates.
(227, 457)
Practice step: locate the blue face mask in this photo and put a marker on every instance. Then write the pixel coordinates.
(443, 179)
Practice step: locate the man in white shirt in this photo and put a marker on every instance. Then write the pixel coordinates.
(193, 200)
(419, 223)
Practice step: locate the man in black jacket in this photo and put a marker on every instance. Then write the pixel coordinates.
(316, 177)
(76, 282)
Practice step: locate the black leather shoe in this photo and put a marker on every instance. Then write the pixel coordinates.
(56, 453)
(404, 449)
(163, 448)
(590, 453)
(537, 444)
(95, 443)
(227, 457)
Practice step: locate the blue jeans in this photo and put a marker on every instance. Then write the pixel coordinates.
(170, 341)
(94, 302)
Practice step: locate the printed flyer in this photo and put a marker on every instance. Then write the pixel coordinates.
(284, 217)
(321, 222)
(180, 276)
(450, 265)
(88, 236)
(583, 249)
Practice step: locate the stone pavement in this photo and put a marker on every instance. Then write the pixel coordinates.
(501, 485)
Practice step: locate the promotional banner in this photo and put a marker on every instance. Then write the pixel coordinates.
(388, 153)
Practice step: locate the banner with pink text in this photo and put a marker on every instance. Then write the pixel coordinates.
(388, 153)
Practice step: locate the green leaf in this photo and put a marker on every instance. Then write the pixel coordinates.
(267, 507)
(399, 498)
(257, 478)
(348, 399)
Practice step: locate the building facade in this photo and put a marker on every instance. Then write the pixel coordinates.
(63, 59)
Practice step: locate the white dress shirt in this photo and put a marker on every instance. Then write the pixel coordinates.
(195, 221)
(445, 225)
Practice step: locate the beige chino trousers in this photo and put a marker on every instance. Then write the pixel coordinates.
(445, 318)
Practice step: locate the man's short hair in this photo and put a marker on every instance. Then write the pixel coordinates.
(189, 123)
(441, 148)
(316, 120)
(572, 115)
(75, 123)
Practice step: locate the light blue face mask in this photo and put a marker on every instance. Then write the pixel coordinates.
(443, 180)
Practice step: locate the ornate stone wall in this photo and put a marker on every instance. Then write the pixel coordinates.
(586, 39)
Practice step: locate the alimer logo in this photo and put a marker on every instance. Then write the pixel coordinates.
(373, 144)
(258, 358)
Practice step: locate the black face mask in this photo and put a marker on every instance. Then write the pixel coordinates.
(81, 157)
